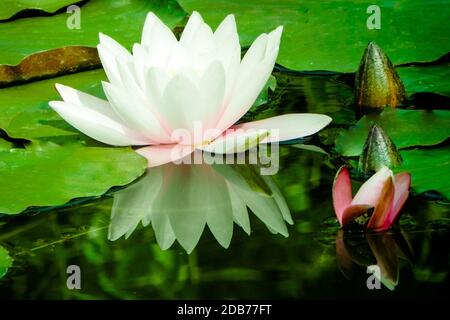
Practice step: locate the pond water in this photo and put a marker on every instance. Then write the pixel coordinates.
(120, 258)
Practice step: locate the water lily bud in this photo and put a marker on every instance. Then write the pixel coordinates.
(378, 151)
(377, 84)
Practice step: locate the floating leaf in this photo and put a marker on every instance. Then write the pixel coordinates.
(49, 64)
(332, 35)
(48, 174)
(10, 8)
(24, 109)
(426, 78)
(429, 168)
(122, 20)
(5, 261)
(406, 128)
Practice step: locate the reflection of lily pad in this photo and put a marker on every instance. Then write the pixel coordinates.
(426, 78)
(122, 20)
(24, 110)
(10, 8)
(50, 175)
(406, 128)
(332, 35)
(429, 168)
(5, 261)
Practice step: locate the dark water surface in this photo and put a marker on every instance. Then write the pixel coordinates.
(315, 260)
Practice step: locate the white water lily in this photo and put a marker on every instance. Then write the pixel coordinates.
(167, 86)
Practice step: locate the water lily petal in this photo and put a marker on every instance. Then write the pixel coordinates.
(111, 52)
(378, 220)
(212, 90)
(219, 217)
(163, 230)
(194, 22)
(158, 39)
(182, 105)
(186, 210)
(342, 192)
(226, 28)
(401, 184)
(266, 209)
(140, 58)
(288, 126)
(228, 51)
(98, 125)
(155, 83)
(133, 204)
(114, 47)
(79, 98)
(239, 210)
(161, 154)
(134, 112)
(252, 76)
(352, 212)
(370, 191)
(279, 199)
(383, 247)
(109, 65)
(178, 58)
(202, 43)
(235, 141)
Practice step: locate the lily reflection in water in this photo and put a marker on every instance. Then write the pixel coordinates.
(381, 249)
(178, 201)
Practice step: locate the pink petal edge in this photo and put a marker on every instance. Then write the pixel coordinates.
(401, 185)
(162, 154)
(342, 192)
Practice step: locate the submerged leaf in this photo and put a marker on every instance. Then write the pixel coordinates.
(49, 64)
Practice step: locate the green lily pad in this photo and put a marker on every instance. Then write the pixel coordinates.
(48, 174)
(429, 168)
(11, 7)
(406, 128)
(332, 35)
(426, 78)
(5, 261)
(25, 113)
(122, 20)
